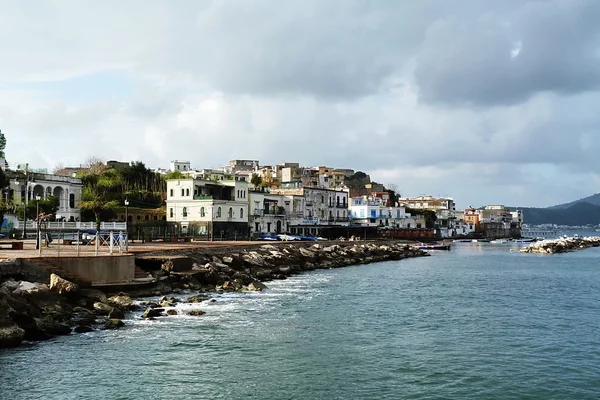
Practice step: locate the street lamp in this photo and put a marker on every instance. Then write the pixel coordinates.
(38, 243)
(126, 226)
(24, 206)
(126, 204)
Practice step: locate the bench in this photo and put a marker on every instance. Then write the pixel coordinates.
(13, 245)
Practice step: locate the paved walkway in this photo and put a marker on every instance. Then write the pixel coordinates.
(29, 250)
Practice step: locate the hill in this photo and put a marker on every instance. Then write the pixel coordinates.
(593, 199)
(577, 213)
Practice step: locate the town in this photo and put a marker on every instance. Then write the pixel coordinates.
(244, 200)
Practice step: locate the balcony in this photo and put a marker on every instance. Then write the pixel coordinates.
(341, 205)
(203, 197)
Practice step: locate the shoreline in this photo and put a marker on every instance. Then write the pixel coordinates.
(40, 310)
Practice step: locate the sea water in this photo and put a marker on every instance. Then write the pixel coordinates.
(477, 322)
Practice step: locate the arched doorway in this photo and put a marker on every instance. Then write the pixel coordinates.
(59, 193)
(278, 227)
(38, 190)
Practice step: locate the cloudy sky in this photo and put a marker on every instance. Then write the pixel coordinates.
(487, 102)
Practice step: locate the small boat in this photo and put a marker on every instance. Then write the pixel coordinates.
(436, 246)
(498, 241)
(524, 240)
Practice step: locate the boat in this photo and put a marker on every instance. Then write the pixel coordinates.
(526, 240)
(435, 246)
(499, 241)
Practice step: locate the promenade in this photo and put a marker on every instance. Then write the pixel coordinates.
(54, 250)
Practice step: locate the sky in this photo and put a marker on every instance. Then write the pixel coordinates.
(486, 102)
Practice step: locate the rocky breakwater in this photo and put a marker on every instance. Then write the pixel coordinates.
(561, 245)
(246, 269)
(34, 311)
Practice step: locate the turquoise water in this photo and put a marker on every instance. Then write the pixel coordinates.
(478, 322)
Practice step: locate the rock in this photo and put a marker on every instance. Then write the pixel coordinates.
(83, 316)
(61, 285)
(25, 287)
(53, 327)
(172, 311)
(29, 325)
(153, 312)
(116, 314)
(10, 334)
(122, 301)
(103, 309)
(196, 299)
(228, 260)
(93, 295)
(10, 285)
(195, 313)
(83, 329)
(114, 324)
(257, 286)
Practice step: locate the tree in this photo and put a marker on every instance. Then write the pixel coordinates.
(173, 175)
(99, 195)
(2, 144)
(58, 167)
(94, 165)
(392, 190)
(4, 183)
(48, 206)
(256, 180)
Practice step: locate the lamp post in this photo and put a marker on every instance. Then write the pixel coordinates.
(24, 207)
(38, 242)
(126, 226)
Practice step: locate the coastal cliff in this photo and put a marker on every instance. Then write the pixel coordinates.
(35, 311)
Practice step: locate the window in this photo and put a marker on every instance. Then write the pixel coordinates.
(219, 212)
(185, 211)
(337, 200)
(187, 192)
(241, 213)
(202, 211)
(182, 192)
(72, 200)
(230, 212)
(171, 193)
(171, 213)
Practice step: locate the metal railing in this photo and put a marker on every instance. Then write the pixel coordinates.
(56, 225)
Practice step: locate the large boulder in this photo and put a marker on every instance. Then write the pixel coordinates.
(257, 286)
(153, 312)
(93, 295)
(25, 287)
(102, 309)
(10, 334)
(83, 329)
(61, 285)
(83, 316)
(29, 325)
(53, 327)
(116, 313)
(114, 324)
(122, 301)
(195, 313)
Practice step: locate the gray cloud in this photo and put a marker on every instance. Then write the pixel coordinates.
(422, 94)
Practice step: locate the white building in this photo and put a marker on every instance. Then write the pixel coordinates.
(182, 166)
(372, 211)
(269, 213)
(312, 209)
(204, 207)
(65, 188)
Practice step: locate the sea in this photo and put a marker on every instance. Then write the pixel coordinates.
(481, 321)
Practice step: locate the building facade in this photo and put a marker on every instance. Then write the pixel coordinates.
(67, 189)
(211, 208)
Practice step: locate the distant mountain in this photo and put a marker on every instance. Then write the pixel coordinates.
(593, 199)
(575, 213)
